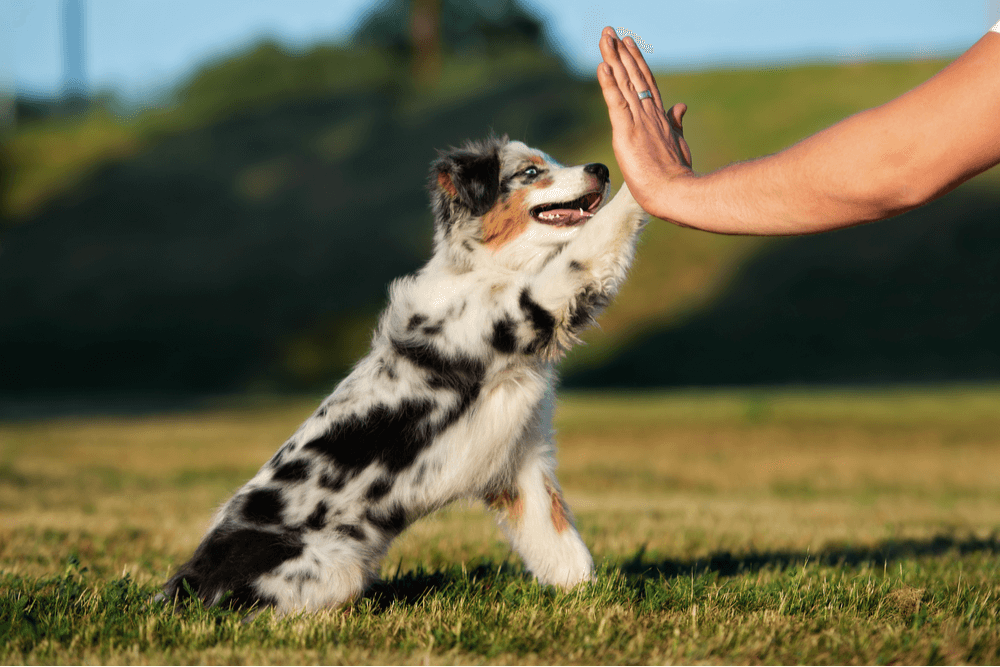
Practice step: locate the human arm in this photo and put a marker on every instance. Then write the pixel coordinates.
(870, 166)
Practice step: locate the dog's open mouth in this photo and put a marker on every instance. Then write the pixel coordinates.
(567, 214)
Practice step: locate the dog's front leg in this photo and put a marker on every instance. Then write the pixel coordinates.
(605, 245)
(577, 284)
(536, 520)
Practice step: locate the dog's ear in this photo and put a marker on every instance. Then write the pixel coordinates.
(469, 177)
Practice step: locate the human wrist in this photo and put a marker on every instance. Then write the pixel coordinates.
(670, 199)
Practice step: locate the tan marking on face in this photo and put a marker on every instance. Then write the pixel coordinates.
(543, 183)
(505, 221)
(558, 512)
(444, 181)
(534, 159)
(507, 501)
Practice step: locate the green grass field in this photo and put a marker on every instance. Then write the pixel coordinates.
(750, 526)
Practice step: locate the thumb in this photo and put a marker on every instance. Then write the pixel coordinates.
(676, 116)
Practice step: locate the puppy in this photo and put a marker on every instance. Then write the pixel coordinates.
(453, 401)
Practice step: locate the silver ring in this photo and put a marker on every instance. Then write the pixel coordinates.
(645, 95)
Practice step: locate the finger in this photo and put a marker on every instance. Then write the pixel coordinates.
(618, 107)
(608, 31)
(635, 75)
(640, 62)
(609, 46)
(611, 52)
(676, 115)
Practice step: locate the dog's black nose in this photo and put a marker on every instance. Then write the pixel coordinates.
(599, 170)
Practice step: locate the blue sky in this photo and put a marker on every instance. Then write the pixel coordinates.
(138, 47)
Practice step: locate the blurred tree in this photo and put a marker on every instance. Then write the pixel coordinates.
(482, 25)
(425, 34)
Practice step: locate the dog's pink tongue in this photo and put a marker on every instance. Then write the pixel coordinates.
(564, 216)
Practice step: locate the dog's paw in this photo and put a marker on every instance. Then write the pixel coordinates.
(573, 566)
(625, 204)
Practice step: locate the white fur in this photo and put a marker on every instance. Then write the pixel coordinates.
(464, 349)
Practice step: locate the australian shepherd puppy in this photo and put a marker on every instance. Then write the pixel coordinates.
(453, 401)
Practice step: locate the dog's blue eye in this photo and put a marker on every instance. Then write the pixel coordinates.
(531, 171)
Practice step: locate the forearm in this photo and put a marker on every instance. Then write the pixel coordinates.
(870, 166)
(848, 174)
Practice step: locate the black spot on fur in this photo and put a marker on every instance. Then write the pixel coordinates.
(279, 455)
(317, 520)
(474, 175)
(433, 330)
(461, 374)
(415, 322)
(542, 321)
(231, 560)
(576, 266)
(578, 319)
(293, 471)
(505, 188)
(477, 179)
(394, 435)
(504, 337)
(555, 252)
(587, 304)
(351, 531)
(263, 506)
(387, 369)
(300, 578)
(443, 215)
(379, 488)
(333, 481)
(391, 523)
(390, 435)
(419, 477)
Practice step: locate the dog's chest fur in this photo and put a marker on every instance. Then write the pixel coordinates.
(453, 401)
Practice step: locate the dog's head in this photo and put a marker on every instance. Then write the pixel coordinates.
(509, 200)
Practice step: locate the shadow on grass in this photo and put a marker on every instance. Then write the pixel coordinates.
(726, 564)
(411, 588)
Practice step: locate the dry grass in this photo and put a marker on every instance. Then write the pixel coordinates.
(713, 517)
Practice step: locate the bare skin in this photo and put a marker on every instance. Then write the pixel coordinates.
(870, 166)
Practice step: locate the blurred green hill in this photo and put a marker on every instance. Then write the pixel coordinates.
(244, 236)
(254, 246)
(910, 300)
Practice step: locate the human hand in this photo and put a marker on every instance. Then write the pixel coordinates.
(648, 141)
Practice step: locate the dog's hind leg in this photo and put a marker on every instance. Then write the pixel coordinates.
(539, 525)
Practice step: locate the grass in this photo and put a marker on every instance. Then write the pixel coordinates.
(728, 527)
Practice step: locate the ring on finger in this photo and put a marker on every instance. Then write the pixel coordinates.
(645, 94)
